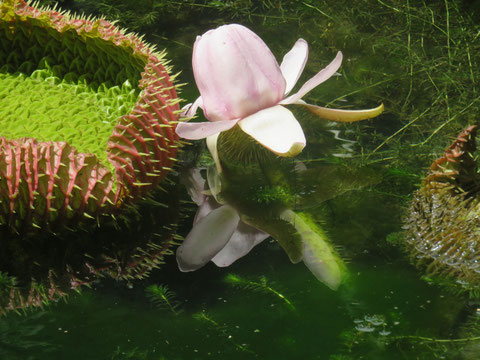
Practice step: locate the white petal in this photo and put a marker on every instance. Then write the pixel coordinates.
(200, 130)
(340, 115)
(244, 239)
(207, 238)
(277, 129)
(293, 64)
(212, 147)
(322, 76)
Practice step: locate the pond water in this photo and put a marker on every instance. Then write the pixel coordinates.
(420, 58)
(216, 320)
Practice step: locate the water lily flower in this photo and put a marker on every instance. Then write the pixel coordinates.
(240, 82)
(218, 233)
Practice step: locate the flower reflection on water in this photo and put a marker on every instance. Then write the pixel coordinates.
(218, 234)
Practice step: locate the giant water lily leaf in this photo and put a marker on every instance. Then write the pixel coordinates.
(88, 115)
(441, 226)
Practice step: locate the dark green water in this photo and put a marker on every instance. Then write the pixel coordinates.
(421, 60)
(113, 321)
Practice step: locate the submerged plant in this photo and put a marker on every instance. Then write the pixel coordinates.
(135, 354)
(19, 337)
(88, 117)
(163, 298)
(222, 331)
(442, 227)
(368, 342)
(261, 285)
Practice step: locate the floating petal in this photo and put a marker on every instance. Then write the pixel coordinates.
(206, 208)
(195, 185)
(319, 259)
(214, 182)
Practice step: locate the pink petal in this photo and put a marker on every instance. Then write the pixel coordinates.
(322, 76)
(194, 107)
(277, 129)
(200, 130)
(244, 239)
(207, 238)
(236, 73)
(343, 115)
(293, 63)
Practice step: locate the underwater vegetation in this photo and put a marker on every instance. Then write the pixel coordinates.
(376, 341)
(88, 115)
(262, 285)
(223, 332)
(17, 337)
(163, 298)
(442, 226)
(135, 354)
